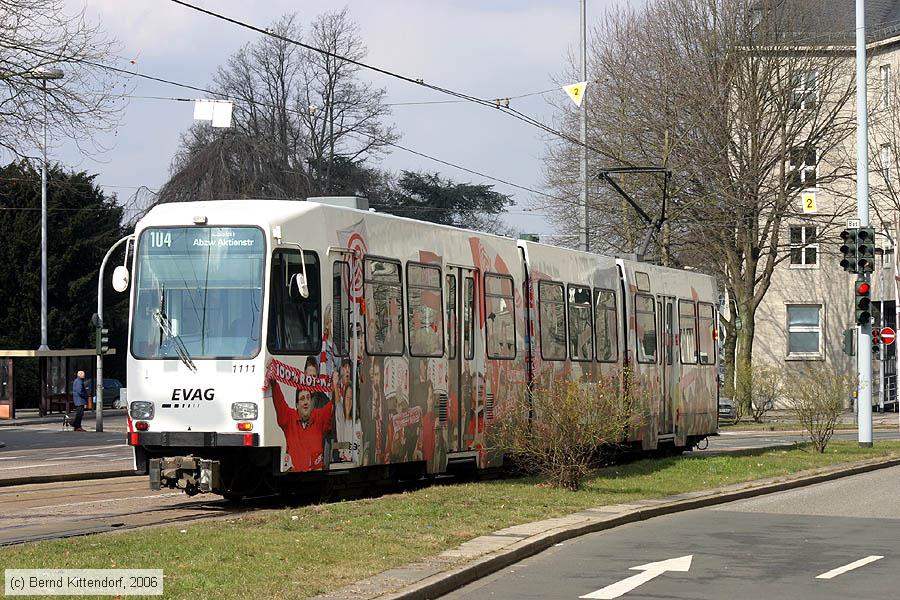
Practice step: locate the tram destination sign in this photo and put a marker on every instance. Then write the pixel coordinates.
(168, 240)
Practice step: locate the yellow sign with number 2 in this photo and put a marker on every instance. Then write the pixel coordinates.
(809, 203)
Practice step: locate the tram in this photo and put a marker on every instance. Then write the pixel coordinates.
(270, 341)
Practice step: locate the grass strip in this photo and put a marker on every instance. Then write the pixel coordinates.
(304, 551)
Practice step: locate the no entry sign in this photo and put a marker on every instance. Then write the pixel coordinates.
(888, 335)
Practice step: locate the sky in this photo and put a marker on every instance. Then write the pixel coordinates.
(487, 48)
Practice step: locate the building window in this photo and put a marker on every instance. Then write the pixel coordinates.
(885, 73)
(804, 330)
(886, 158)
(804, 246)
(802, 170)
(803, 91)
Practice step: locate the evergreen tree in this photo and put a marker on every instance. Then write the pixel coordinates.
(82, 224)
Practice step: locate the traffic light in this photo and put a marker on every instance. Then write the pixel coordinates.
(850, 341)
(876, 341)
(102, 340)
(863, 303)
(865, 250)
(848, 250)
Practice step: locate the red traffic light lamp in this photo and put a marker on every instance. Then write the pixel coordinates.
(863, 302)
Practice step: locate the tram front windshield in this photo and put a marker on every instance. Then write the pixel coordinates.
(198, 293)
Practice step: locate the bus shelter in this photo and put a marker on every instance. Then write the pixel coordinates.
(57, 370)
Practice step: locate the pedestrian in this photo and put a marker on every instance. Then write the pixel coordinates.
(79, 398)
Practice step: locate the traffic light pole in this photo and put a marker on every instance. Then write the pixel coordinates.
(864, 345)
(98, 380)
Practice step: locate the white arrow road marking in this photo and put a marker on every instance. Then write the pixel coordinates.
(854, 565)
(650, 571)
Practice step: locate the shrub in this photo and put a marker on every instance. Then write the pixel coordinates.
(816, 395)
(766, 389)
(562, 429)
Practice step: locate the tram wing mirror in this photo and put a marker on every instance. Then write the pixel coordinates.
(121, 278)
(298, 283)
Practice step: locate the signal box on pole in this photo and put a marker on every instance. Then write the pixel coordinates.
(865, 250)
(848, 249)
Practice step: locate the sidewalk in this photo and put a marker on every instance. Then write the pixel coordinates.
(111, 417)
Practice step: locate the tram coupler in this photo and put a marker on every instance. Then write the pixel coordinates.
(189, 473)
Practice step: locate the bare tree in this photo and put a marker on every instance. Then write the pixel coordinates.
(39, 34)
(742, 111)
(303, 123)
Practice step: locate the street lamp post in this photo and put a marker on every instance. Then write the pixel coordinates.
(44, 73)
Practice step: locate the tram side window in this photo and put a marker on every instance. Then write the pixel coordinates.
(423, 298)
(707, 332)
(340, 300)
(500, 325)
(581, 325)
(295, 322)
(469, 319)
(687, 331)
(384, 306)
(607, 325)
(452, 325)
(552, 313)
(645, 321)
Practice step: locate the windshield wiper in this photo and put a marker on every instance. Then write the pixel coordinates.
(180, 349)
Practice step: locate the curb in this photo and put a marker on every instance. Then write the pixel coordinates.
(32, 479)
(89, 416)
(431, 584)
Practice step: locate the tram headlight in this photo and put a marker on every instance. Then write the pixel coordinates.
(244, 411)
(140, 410)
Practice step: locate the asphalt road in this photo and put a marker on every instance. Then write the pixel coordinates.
(789, 546)
(49, 450)
(748, 440)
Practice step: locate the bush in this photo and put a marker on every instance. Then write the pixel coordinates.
(562, 429)
(766, 389)
(816, 395)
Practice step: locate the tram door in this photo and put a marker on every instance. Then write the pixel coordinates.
(667, 365)
(462, 410)
(346, 328)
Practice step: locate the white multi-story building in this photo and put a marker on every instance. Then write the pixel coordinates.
(810, 303)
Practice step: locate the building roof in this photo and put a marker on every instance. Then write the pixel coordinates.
(834, 21)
